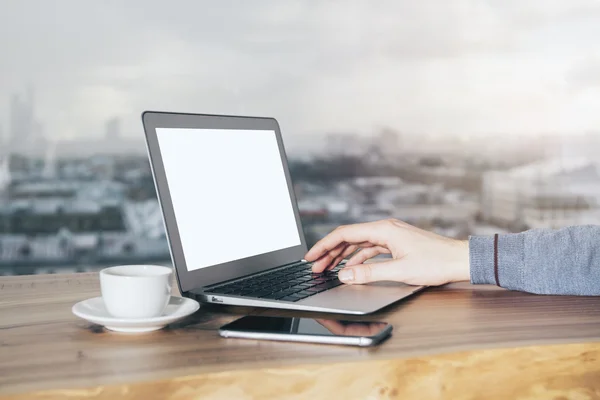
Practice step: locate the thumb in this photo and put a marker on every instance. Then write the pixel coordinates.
(371, 272)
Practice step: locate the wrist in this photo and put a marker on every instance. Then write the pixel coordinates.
(460, 260)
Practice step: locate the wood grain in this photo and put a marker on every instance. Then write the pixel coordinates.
(538, 372)
(44, 347)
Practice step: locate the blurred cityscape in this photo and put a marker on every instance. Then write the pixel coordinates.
(79, 205)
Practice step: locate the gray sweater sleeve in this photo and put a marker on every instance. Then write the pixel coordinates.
(543, 261)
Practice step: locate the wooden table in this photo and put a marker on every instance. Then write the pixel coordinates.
(457, 341)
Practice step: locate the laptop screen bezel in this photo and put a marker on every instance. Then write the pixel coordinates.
(196, 279)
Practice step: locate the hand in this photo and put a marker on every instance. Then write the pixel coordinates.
(418, 257)
(352, 329)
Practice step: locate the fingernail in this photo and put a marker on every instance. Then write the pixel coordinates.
(346, 275)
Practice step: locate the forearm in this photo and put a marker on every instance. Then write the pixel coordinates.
(563, 261)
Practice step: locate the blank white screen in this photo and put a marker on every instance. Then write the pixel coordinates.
(229, 193)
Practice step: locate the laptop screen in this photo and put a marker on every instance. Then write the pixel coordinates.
(229, 193)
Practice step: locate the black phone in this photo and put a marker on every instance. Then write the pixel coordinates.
(308, 330)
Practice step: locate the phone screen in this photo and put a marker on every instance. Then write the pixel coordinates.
(307, 326)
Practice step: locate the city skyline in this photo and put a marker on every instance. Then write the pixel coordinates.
(515, 67)
(25, 135)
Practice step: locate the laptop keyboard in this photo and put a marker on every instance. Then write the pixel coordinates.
(292, 283)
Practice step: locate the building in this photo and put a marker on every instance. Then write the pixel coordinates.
(547, 194)
(380, 148)
(113, 129)
(388, 141)
(574, 145)
(344, 145)
(3, 143)
(56, 226)
(50, 170)
(25, 131)
(88, 147)
(5, 177)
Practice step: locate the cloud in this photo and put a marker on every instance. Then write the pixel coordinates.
(443, 66)
(586, 74)
(532, 14)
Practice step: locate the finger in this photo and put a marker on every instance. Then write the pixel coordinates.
(349, 250)
(365, 254)
(364, 245)
(376, 328)
(332, 326)
(372, 232)
(322, 263)
(327, 261)
(335, 262)
(358, 329)
(372, 272)
(353, 329)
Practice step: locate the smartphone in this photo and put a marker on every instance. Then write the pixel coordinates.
(308, 330)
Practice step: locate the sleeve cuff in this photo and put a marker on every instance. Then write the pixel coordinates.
(481, 260)
(511, 264)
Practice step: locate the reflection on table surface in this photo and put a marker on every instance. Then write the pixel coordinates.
(45, 347)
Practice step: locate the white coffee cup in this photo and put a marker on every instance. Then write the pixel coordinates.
(136, 291)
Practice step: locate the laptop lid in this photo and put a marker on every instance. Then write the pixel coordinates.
(226, 195)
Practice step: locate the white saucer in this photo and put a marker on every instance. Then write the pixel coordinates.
(93, 310)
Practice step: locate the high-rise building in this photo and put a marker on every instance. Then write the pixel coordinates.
(5, 178)
(21, 117)
(113, 129)
(2, 139)
(50, 170)
(344, 144)
(24, 131)
(388, 141)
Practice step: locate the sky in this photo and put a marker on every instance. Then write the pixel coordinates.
(443, 67)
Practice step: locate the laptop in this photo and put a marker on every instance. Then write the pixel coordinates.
(232, 220)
